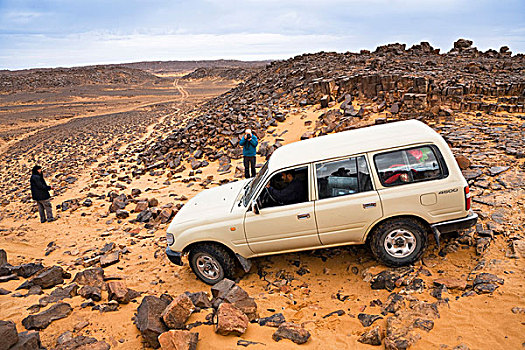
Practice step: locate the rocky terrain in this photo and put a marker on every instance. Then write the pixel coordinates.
(98, 277)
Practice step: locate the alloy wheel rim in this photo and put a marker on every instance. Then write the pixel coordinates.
(208, 267)
(400, 243)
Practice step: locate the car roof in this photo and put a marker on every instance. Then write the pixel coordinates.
(350, 142)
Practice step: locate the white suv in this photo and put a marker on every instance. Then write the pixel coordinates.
(389, 185)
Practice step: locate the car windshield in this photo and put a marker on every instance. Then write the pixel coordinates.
(250, 189)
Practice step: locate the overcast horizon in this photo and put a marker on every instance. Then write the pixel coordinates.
(61, 33)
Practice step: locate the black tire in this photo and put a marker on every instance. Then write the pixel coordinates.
(211, 263)
(410, 237)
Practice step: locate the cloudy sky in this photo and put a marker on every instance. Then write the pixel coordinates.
(51, 33)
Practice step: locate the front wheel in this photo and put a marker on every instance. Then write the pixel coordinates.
(399, 242)
(211, 263)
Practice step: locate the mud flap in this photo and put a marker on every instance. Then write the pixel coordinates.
(245, 263)
(437, 234)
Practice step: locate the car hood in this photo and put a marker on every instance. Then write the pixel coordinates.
(215, 202)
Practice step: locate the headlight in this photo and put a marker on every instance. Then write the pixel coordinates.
(169, 238)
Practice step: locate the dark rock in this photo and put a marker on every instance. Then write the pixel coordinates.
(82, 343)
(28, 340)
(292, 331)
(8, 334)
(367, 320)
(383, 280)
(201, 300)
(110, 306)
(27, 270)
(148, 320)
(91, 292)
(337, 312)
(487, 278)
(122, 214)
(59, 294)
(423, 324)
(485, 288)
(393, 304)
(3, 257)
(240, 299)
(91, 277)
(46, 278)
(272, 321)
(44, 319)
(373, 336)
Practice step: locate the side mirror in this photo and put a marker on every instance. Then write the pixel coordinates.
(255, 207)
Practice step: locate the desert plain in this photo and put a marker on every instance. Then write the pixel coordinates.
(126, 146)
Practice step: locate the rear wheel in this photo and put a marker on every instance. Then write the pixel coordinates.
(211, 263)
(399, 242)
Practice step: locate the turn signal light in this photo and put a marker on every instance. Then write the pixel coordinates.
(467, 198)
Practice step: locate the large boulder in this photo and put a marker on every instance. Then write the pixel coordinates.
(240, 299)
(148, 320)
(8, 334)
(44, 319)
(178, 340)
(178, 312)
(231, 320)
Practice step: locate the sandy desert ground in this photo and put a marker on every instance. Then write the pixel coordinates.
(307, 288)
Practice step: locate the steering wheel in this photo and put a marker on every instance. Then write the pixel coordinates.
(267, 193)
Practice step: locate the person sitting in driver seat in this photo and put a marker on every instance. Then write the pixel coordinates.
(292, 193)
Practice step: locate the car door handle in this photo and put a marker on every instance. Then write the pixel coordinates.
(303, 216)
(369, 205)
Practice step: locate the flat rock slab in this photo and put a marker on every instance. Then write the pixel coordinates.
(110, 258)
(91, 277)
(46, 278)
(179, 340)
(294, 332)
(44, 319)
(373, 336)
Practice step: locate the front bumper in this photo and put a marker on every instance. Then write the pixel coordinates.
(457, 224)
(175, 257)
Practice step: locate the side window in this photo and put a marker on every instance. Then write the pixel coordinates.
(342, 177)
(410, 165)
(284, 188)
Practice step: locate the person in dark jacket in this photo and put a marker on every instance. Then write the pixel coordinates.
(249, 149)
(40, 193)
(293, 193)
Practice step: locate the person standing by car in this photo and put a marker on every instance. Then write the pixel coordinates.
(249, 149)
(40, 193)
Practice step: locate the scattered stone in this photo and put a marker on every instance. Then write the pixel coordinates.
(149, 321)
(201, 300)
(91, 292)
(44, 319)
(110, 306)
(28, 340)
(83, 343)
(8, 334)
(59, 294)
(230, 320)
(373, 336)
(178, 312)
(46, 278)
(245, 343)
(91, 277)
(367, 320)
(293, 332)
(178, 340)
(3, 257)
(272, 321)
(110, 258)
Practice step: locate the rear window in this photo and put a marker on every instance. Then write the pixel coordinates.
(410, 165)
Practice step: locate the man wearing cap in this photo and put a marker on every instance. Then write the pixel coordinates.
(249, 149)
(40, 193)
